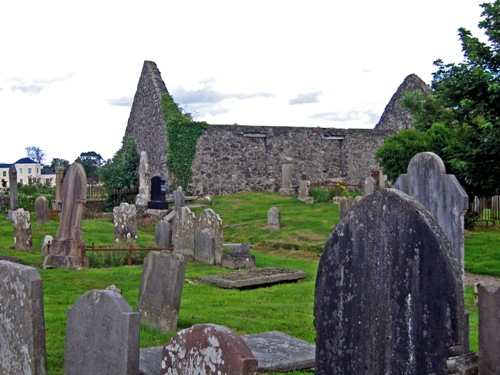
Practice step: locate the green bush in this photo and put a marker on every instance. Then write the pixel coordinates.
(321, 194)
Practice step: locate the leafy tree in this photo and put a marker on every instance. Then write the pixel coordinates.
(121, 171)
(461, 115)
(35, 153)
(91, 162)
(56, 162)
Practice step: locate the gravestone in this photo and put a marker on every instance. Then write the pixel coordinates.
(489, 329)
(42, 210)
(426, 180)
(22, 230)
(204, 246)
(102, 335)
(343, 207)
(389, 296)
(66, 249)
(179, 199)
(14, 195)
(125, 223)
(207, 349)
(47, 242)
(163, 234)
(368, 186)
(286, 177)
(57, 203)
(238, 257)
(304, 192)
(22, 328)
(183, 233)
(144, 181)
(161, 290)
(158, 194)
(208, 219)
(274, 218)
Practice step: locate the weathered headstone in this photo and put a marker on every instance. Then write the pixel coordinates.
(179, 199)
(22, 230)
(14, 195)
(102, 335)
(304, 192)
(343, 207)
(163, 234)
(389, 297)
(158, 194)
(66, 249)
(204, 246)
(144, 181)
(22, 328)
(42, 210)
(368, 186)
(238, 257)
(183, 233)
(161, 290)
(125, 223)
(286, 177)
(489, 329)
(274, 218)
(208, 219)
(441, 193)
(47, 242)
(207, 349)
(57, 203)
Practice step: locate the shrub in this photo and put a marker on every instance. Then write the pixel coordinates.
(321, 194)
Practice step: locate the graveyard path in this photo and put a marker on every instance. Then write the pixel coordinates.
(471, 279)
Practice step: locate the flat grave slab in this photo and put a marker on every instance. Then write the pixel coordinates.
(253, 278)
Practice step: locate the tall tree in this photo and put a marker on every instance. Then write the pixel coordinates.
(91, 162)
(465, 99)
(35, 153)
(56, 162)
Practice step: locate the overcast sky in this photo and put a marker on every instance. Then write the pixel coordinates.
(69, 70)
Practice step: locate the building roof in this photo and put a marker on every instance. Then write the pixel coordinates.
(26, 161)
(5, 165)
(47, 171)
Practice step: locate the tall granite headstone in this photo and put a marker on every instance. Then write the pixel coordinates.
(14, 195)
(125, 224)
(208, 349)
(42, 210)
(286, 177)
(66, 249)
(389, 296)
(489, 329)
(183, 228)
(144, 194)
(163, 234)
(208, 219)
(161, 290)
(179, 199)
(57, 203)
(158, 194)
(22, 230)
(426, 180)
(102, 336)
(22, 328)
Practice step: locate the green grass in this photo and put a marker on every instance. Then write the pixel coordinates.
(286, 307)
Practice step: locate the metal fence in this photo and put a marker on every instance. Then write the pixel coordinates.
(98, 197)
(487, 208)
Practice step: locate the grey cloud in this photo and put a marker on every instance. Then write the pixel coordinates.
(122, 102)
(347, 116)
(28, 89)
(207, 95)
(36, 85)
(310, 97)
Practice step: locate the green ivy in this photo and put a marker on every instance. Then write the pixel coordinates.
(182, 137)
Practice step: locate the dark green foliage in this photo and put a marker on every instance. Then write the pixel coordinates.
(56, 162)
(91, 162)
(28, 193)
(182, 136)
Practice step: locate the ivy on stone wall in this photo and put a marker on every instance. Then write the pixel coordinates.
(182, 137)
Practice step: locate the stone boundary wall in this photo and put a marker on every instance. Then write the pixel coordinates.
(233, 158)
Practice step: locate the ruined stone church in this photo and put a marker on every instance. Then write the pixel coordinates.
(234, 158)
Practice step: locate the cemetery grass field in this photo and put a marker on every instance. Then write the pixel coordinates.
(286, 307)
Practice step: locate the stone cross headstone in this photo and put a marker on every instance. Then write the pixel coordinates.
(66, 247)
(22, 230)
(489, 329)
(274, 218)
(163, 234)
(102, 335)
(22, 328)
(208, 349)
(125, 224)
(368, 186)
(179, 199)
(304, 192)
(183, 227)
(287, 177)
(238, 257)
(441, 193)
(14, 195)
(158, 194)
(204, 246)
(208, 219)
(57, 204)
(161, 290)
(42, 210)
(389, 297)
(144, 181)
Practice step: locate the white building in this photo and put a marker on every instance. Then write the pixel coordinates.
(26, 169)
